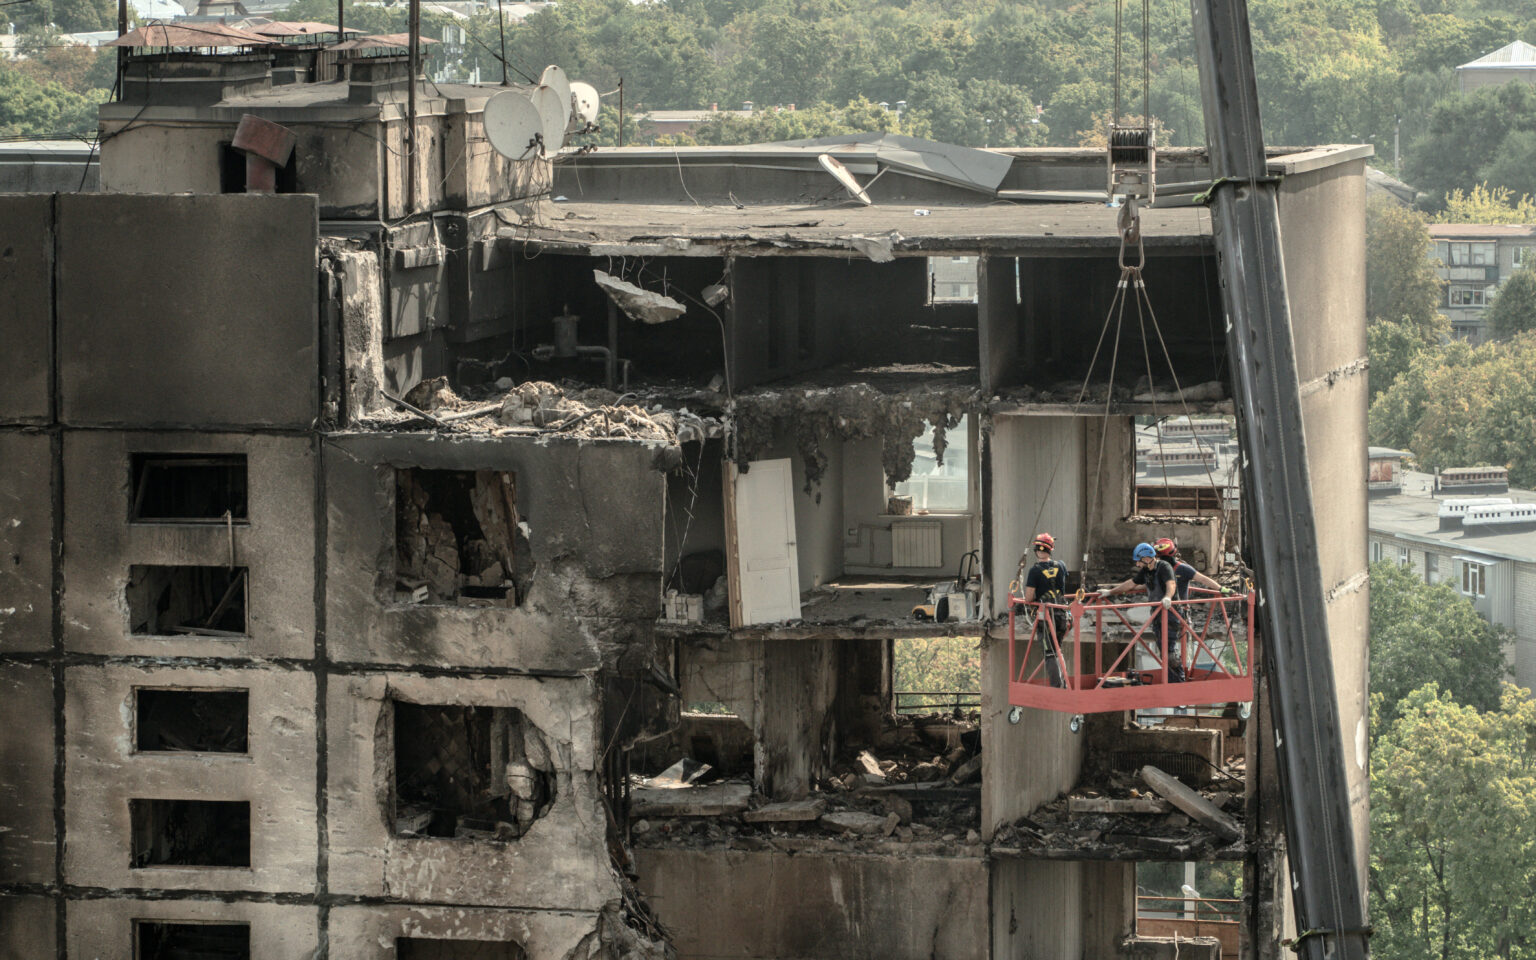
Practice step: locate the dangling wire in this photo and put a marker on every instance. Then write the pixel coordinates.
(1146, 61)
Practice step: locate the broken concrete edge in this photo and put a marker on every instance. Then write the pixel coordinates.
(1192, 803)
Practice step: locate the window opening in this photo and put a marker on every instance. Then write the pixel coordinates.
(208, 601)
(232, 171)
(1461, 296)
(1403, 558)
(936, 675)
(458, 538)
(952, 280)
(204, 721)
(418, 948)
(1474, 579)
(1190, 900)
(940, 487)
(190, 833)
(188, 940)
(470, 773)
(1431, 568)
(188, 488)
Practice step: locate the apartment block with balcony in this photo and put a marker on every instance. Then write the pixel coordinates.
(1472, 260)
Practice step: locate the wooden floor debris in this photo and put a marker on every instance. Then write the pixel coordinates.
(710, 800)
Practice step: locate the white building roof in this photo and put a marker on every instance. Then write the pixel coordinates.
(156, 10)
(1518, 54)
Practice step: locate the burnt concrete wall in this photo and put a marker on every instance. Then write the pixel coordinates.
(26, 534)
(1322, 220)
(594, 515)
(728, 904)
(187, 310)
(26, 276)
(1037, 910)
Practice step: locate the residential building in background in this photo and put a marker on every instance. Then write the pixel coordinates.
(1472, 259)
(1514, 62)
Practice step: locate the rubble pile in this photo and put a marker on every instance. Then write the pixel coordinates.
(539, 407)
(1126, 811)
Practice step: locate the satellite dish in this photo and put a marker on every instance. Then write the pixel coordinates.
(839, 172)
(553, 115)
(585, 103)
(555, 79)
(513, 125)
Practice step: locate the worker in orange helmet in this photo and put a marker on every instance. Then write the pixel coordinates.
(1046, 583)
(1183, 572)
(1156, 575)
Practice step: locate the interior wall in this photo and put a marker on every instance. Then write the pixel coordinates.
(697, 488)
(1064, 304)
(1037, 910)
(819, 514)
(997, 308)
(867, 537)
(796, 736)
(1036, 478)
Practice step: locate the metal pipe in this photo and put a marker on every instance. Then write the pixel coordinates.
(413, 61)
(613, 342)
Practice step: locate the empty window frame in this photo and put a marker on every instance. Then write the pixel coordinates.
(199, 721)
(1522, 255)
(420, 948)
(190, 940)
(1474, 578)
(167, 601)
(470, 773)
(1431, 568)
(456, 537)
(188, 488)
(952, 280)
(1375, 550)
(190, 833)
(1403, 556)
(935, 486)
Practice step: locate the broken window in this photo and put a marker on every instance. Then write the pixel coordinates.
(190, 833)
(458, 538)
(477, 773)
(209, 601)
(160, 940)
(188, 488)
(952, 279)
(417, 948)
(207, 721)
(940, 480)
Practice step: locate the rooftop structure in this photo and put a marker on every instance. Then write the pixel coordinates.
(1512, 62)
(394, 550)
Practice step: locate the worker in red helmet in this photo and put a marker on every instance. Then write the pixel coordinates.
(1046, 583)
(1183, 572)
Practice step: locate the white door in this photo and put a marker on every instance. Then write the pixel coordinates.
(765, 543)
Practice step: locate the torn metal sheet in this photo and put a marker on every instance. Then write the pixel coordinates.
(963, 166)
(880, 249)
(638, 303)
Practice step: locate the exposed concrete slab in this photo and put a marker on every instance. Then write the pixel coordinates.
(26, 531)
(103, 929)
(561, 863)
(791, 811)
(26, 773)
(277, 545)
(594, 524)
(188, 309)
(736, 904)
(26, 276)
(277, 778)
(369, 932)
(710, 800)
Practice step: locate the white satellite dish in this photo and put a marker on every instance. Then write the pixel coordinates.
(584, 100)
(553, 114)
(555, 79)
(839, 172)
(513, 125)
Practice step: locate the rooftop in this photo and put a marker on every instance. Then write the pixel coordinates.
(1517, 54)
(1453, 231)
(1414, 515)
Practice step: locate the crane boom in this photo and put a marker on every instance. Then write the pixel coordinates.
(1329, 904)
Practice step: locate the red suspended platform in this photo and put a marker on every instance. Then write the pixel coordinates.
(1116, 656)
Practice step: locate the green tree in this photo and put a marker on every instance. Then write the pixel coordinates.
(1453, 833)
(1465, 134)
(1396, 412)
(1481, 412)
(1400, 279)
(1392, 346)
(1514, 307)
(1428, 633)
(934, 664)
(41, 109)
(1484, 204)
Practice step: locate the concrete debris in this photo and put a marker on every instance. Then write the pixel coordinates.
(854, 411)
(1198, 393)
(1192, 803)
(1110, 805)
(710, 800)
(789, 811)
(879, 249)
(967, 771)
(638, 303)
(853, 821)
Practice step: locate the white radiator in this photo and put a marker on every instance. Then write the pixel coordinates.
(917, 543)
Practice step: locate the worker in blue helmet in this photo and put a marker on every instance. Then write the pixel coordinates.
(1156, 576)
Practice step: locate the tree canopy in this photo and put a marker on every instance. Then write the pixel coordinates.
(1423, 633)
(1400, 279)
(1513, 310)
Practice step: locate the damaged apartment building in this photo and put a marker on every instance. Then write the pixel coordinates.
(387, 557)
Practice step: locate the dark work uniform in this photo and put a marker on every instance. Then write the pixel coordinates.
(1183, 574)
(1156, 581)
(1049, 580)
